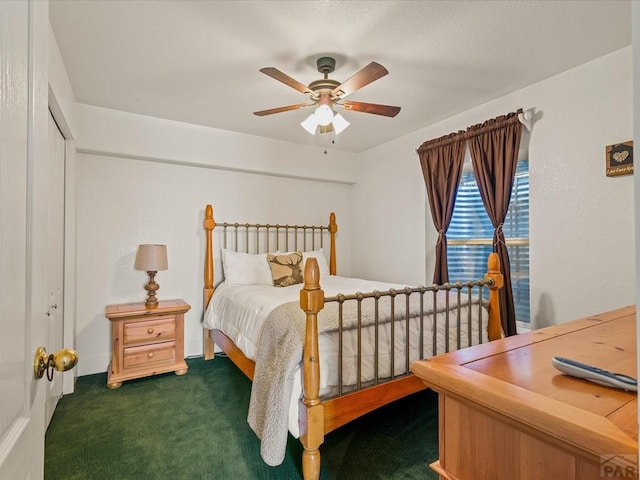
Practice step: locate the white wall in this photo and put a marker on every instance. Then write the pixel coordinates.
(581, 222)
(146, 180)
(117, 133)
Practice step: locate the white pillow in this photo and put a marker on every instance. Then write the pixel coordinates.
(246, 268)
(322, 262)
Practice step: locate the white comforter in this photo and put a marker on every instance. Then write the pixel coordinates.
(240, 311)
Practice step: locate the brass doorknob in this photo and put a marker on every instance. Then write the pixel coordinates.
(61, 361)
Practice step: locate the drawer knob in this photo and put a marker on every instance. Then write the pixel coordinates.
(150, 355)
(150, 330)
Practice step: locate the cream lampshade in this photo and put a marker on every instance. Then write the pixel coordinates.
(151, 258)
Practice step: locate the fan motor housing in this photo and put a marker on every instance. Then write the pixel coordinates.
(324, 84)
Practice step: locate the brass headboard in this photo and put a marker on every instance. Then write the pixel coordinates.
(260, 238)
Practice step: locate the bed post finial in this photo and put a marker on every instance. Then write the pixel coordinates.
(333, 228)
(209, 225)
(312, 413)
(494, 273)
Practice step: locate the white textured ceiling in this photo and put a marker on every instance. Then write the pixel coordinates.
(198, 61)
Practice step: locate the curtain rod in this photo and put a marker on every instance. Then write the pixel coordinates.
(525, 118)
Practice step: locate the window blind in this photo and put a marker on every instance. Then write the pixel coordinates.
(470, 236)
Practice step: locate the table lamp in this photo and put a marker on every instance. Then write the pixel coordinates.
(151, 258)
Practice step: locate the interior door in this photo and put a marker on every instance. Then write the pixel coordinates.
(54, 261)
(23, 92)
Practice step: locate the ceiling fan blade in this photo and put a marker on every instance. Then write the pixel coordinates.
(286, 79)
(288, 108)
(385, 110)
(365, 76)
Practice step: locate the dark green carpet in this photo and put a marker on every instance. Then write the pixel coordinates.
(193, 427)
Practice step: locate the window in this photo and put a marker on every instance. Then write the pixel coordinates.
(470, 236)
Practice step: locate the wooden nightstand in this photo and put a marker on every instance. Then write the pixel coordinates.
(146, 341)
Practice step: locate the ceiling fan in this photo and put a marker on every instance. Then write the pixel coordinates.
(327, 93)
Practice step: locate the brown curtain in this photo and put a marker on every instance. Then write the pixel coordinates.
(441, 160)
(494, 148)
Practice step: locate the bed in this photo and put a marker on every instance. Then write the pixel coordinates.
(320, 357)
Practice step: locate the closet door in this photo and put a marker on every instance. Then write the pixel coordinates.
(54, 265)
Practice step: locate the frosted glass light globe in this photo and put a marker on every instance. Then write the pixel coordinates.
(324, 115)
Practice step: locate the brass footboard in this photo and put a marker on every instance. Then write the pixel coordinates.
(439, 318)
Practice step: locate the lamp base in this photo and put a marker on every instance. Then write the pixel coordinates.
(151, 287)
(151, 302)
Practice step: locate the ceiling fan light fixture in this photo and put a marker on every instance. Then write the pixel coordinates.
(310, 124)
(340, 123)
(324, 115)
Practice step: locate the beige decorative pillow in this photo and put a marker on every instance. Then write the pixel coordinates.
(285, 269)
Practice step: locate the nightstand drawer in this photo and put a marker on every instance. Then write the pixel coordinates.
(149, 355)
(156, 329)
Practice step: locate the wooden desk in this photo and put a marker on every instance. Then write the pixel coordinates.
(506, 413)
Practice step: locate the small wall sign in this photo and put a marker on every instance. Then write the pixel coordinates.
(619, 159)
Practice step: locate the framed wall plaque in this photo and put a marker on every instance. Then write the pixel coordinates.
(619, 159)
